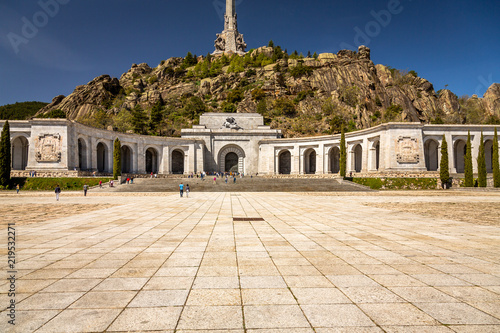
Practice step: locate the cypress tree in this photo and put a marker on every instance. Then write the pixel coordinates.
(5, 159)
(469, 176)
(496, 166)
(117, 159)
(481, 164)
(444, 170)
(343, 153)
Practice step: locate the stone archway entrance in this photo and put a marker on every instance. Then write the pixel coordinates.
(231, 162)
(231, 159)
(177, 162)
(19, 153)
(151, 160)
(285, 163)
(102, 157)
(334, 160)
(126, 159)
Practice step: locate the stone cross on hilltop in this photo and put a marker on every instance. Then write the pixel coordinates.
(230, 40)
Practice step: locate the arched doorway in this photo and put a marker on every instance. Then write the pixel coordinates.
(358, 158)
(488, 155)
(178, 162)
(235, 165)
(310, 161)
(334, 160)
(459, 154)
(126, 159)
(151, 160)
(19, 153)
(231, 162)
(431, 149)
(82, 154)
(102, 157)
(285, 162)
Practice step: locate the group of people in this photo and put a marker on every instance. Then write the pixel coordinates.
(181, 188)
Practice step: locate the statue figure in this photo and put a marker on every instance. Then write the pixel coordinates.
(220, 43)
(240, 43)
(231, 124)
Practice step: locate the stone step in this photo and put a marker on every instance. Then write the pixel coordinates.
(246, 184)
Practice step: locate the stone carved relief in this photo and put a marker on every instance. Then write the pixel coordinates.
(220, 43)
(231, 123)
(407, 150)
(48, 148)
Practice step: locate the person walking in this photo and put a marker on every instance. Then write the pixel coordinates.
(181, 188)
(57, 191)
(187, 190)
(100, 183)
(17, 188)
(215, 179)
(85, 188)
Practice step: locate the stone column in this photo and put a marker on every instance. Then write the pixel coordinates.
(141, 158)
(295, 162)
(320, 160)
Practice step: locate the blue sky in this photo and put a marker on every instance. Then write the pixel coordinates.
(454, 43)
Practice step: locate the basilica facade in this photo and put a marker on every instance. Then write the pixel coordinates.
(241, 143)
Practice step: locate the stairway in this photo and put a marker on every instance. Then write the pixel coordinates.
(246, 184)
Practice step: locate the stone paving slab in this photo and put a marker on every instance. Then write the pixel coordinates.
(300, 263)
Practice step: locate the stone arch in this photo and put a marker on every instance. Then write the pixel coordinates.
(334, 156)
(82, 154)
(310, 161)
(285, 162)
(488, 155)
(127, 154)
(231, 149)
(20, 147)
(178, 157)
(102, 157)
(358, 158)
(374, 157)
(459, 151)
(431, 152)
(151, 160)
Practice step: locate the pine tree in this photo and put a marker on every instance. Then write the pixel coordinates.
(117, 159)
(138, 120)
(469, 176)
(481, 164)
(496, 166)
(343, 154)
(444, 171)
(5, 155)
(156, 115)
(270, 44)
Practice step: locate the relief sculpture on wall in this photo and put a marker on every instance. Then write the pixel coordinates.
(48, 148)
(407, 150)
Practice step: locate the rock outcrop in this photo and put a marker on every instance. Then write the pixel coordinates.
(347, 85)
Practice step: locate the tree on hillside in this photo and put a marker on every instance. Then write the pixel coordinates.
(444, 171)
(270, 44)
(156, 115)
(343, 153)
(5, 155)
(117, 159)
(496, 163)
(139, 120)
(481, 164)
(469, 176)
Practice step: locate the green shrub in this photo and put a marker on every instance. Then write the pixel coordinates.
(235, 96)
(300, 70)
(398, 183)
(48, 184)
(393, 112)
(303, 95)
(481, 164)
(20, 111)
(55, 114)
(285, 107)
(258, 94)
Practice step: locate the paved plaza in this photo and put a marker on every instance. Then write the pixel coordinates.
(252, 262)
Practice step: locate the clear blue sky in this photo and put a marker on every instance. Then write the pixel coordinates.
(447, 42)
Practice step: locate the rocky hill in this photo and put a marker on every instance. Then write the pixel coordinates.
(302, 96)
